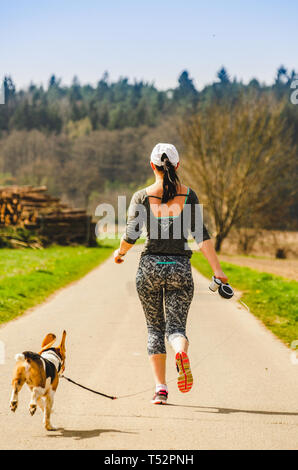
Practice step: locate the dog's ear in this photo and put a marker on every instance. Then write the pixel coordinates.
(62, 344)
(48, 341)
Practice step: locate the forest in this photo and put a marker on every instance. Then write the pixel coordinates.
(88, 144)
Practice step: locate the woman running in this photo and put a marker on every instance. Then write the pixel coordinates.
(170, 212)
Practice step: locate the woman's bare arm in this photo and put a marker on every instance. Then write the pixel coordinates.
(209, 252)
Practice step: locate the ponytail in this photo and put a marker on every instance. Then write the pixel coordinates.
(170, 180)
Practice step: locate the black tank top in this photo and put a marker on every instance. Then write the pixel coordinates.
(165, 235)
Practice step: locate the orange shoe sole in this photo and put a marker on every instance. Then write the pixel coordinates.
(185, 378)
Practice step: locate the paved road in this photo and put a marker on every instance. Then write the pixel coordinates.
(246, 388)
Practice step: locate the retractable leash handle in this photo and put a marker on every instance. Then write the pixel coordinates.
(215, 284)
(225, 290)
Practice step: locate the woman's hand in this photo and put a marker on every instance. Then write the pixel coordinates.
(219, 274)
(117, 258)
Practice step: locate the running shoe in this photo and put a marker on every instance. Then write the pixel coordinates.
(160, 398)
(185, 379)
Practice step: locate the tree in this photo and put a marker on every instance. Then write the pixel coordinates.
(9, 88)
(103, 86)
(281, 76)
(75, 90)
(238, 158)
(186, 90)
(254, 83)
(223, 76)
(54, 82)
(7, 109)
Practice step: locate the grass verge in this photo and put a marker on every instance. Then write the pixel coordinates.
(271, 298)
(28, 277)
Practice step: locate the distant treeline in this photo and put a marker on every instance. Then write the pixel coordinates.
(85, 142)
(78, 109)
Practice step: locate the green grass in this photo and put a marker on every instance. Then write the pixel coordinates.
(271, 298)
(28, 277)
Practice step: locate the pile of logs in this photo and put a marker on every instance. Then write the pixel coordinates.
(33, 208)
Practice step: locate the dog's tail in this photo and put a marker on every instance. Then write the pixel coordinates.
(20, 357)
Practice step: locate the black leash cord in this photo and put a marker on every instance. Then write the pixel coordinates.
(89, 389)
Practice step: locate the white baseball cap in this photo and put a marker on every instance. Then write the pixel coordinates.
(169, 149)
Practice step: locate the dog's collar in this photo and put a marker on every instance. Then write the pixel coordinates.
(51, 356)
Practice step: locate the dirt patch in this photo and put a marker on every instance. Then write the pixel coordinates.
(261, 243)
(287, 268)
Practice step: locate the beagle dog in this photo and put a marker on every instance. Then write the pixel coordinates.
(41, 373)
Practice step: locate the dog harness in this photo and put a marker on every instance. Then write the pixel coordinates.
(51, 362)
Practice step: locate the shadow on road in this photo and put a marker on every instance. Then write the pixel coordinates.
(79, 435)
(227, 411)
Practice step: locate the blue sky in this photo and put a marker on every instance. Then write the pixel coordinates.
(152, 40)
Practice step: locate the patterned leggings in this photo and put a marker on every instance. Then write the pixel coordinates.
(165, 288)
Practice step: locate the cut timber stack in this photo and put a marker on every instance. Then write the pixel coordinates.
(34, 209)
